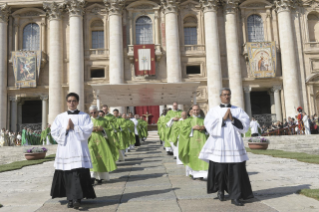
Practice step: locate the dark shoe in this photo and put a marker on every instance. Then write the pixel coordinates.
(70, 204)
(221, 196)
(92, 181)
(237, 202)
(77, 204)
(174, 157)
(99, 181)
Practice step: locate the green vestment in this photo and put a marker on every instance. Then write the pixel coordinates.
(131, 128)
(101, 154)
(122, 133)
(112, 128)
(170, 134)
(23, 137)
(160, 128)
(191, 147)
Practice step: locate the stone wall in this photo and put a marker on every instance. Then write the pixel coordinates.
(297, 143)
(9, 154)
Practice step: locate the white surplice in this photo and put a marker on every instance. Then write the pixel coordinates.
(254, 125)
(73, 151)
(306, 124)
(224, 144)
(135, 125)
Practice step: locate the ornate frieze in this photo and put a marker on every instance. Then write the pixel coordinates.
(115, 7)
(54, 10)
(210, 5)
(230, 6)
(4, 12)
(75, 7)
(170, 6)
(284, 5)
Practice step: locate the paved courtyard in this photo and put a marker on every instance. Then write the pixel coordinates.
(149, 180)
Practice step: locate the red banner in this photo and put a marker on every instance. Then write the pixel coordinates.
(151, 111)
(144, 59)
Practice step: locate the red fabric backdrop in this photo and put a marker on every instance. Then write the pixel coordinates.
(154, 110)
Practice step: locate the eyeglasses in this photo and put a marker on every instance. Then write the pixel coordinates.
(72, 101)
(93, 112)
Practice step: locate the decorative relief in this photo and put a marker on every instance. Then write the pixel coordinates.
(312, 3)
(31, 13)
(190, 20)
(284, 5)
(201, 93)
(170, 6)
(4, 12)
(97, 23)
(230, 6)
(97, 11)
(75, 7)
(189, 6)
(256, 5)
(54, 10)
(210, 5)
(115, 7)
(143, 6)
(314, 65)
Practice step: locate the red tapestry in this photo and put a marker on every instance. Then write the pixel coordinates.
(153, 111)
(144, 56)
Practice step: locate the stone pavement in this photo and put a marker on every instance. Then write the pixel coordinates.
(149, 180)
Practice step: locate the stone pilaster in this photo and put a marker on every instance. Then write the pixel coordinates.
(54, 11)
(288, 56)
(75, 9)
(4, 14)
(276, 90)
(115, 9)
(213, 64)
(233, 59)
(173, 52)
(44, 99)
(247, 90)
(14, 113)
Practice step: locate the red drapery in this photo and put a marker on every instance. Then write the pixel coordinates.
(153, 110)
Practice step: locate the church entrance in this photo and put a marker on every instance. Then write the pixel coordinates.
(261, 107)
(32, 114)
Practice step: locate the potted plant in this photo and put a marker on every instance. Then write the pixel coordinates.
(35, 153)
(260, 143)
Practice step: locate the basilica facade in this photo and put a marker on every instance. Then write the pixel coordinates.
(105, 49)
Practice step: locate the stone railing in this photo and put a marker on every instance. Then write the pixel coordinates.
(97, 52)
(194, 48)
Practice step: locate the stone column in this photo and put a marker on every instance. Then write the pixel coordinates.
(288, 56)
(272, 102)
(276, 90)
(54, 11)
(233, 60)
(116, 60)
(4, 13)
(16, 34)
(269, 34)
(132, 109)
(213, 64)
(247, 90)
(173, 51)
(76, 60)
(44, 99)
(14, 114)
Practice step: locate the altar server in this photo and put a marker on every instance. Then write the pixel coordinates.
(254, 127)
(225, 151)
(171, 118)
(71, 131)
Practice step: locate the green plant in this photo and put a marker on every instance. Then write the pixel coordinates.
(258, 140)
(35, 150)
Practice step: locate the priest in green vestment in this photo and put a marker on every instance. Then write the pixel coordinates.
(161, 126)
(23, 137)
(121, 134)
(46, 137)
(171, 118)
(194, 129)
(144, 126)
(101, 155)
(131, 128)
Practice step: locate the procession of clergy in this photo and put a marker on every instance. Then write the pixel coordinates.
(90, 144)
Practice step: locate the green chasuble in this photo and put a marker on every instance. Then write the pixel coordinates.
(101, 154)
(192, 146)
(47, 133)
(161, 128)
(170, 134)
(122, 133)
(23, 137)
(141, 128)
(145, 126)
(110, 130)
(131, 128)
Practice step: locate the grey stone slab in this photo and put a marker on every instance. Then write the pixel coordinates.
(193, 193)
(21, 208)
(106, 206)
(158, 193)
(150, 206)
(159, 181)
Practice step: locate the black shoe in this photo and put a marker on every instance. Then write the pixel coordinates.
(237, 202)
(99, 181)
(174, 157)
(221, 196)
(70, 204)
(77, 204)
(92, 181)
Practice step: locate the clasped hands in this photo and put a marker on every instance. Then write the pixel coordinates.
(228, 115)
(175, 119)
(197, 127)
(97, 129)
(70, 125)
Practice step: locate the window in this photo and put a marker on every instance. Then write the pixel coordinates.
(31, 37)
(97, 39)
(144, 30)
(190, 35)
(97, 73)
(313, 27)
(255, 29)
(192, 69)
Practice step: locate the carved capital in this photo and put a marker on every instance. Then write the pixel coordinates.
(13, 98)
(75, 7)
(170, 6)
(44, 97)
(115, 7)
(4, 12)
(230, 6)
(54, 10)
(210, 5)
(276, 88)
(284, 5)
(247, 89)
